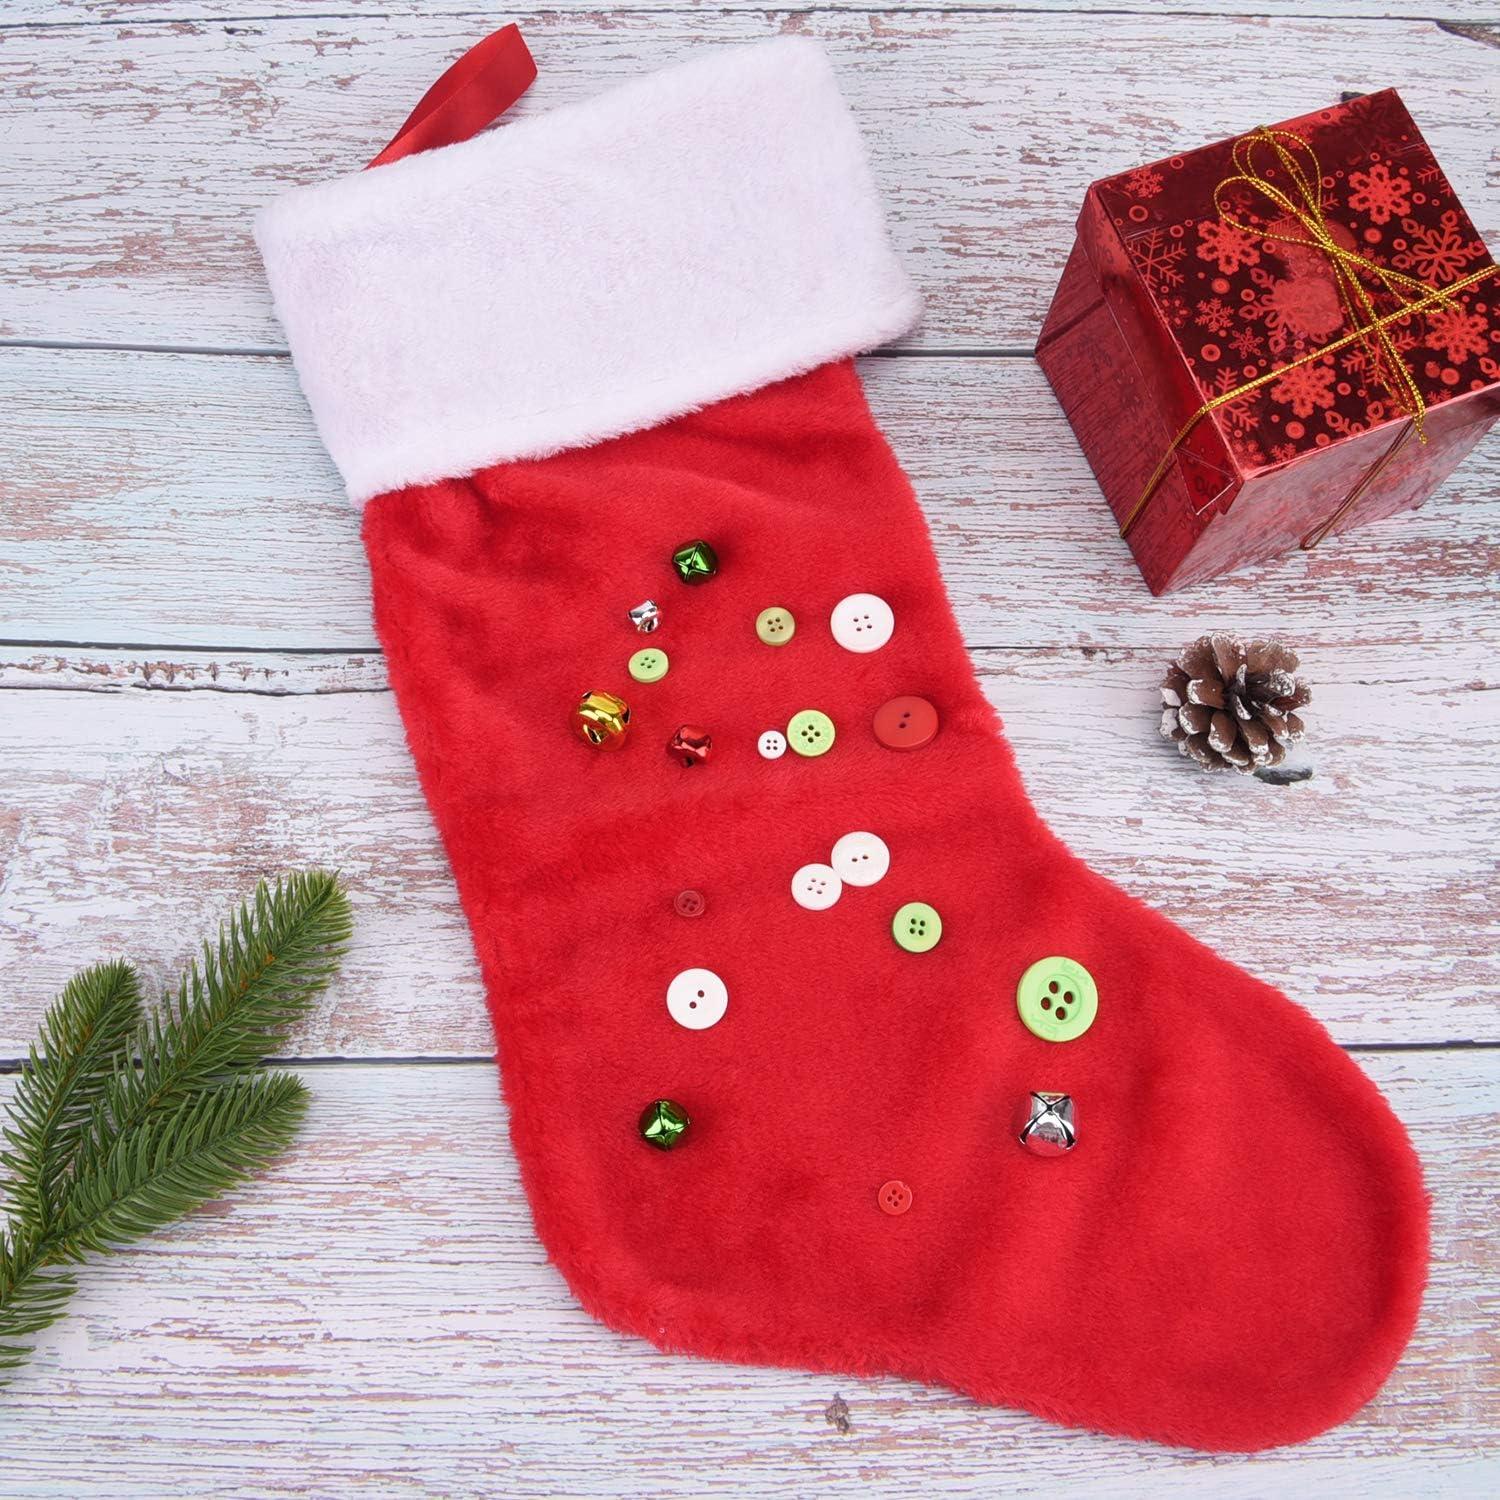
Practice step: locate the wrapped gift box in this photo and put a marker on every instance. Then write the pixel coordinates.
(1274, 339)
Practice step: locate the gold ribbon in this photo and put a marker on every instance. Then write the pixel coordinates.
(1302, 202)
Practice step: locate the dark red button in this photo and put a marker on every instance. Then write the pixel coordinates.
(894, 1196)
(906, 723)
(690, 904)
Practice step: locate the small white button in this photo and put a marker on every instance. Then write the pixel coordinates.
(772, 744)
(860, 859)
(862, 622)
(816, 887)
(697, 999)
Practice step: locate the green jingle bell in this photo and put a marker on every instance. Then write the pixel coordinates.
(663, 1124)
(696, 562)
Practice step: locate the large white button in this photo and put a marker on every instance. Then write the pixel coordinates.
(860, 859)
(697, 999)
(816, 887)
(862, 622)
(772, 744)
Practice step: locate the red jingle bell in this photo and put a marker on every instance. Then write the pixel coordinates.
(690, 745)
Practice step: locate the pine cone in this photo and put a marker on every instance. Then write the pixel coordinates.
(1232, 704)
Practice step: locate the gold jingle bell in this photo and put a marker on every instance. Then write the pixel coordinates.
(602, 720)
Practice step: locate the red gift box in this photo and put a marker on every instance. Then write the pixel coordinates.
(1275, 338)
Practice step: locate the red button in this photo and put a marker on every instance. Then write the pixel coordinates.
(894, 1196)
(690, 904)
(906, 724)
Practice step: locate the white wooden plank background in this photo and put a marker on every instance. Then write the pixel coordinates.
(137, 465)
(376, 1317)
(190, 696)
(133, 152)
(1368, 892)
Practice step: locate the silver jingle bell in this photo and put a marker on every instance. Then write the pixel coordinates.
(1048, 1127)
(645, 617)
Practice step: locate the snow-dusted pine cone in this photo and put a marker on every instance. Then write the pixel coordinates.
(1229, 703)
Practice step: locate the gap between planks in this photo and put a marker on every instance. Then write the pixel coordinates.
(274, 351)
(310, 1063)
(1384, 927)
(130, 469)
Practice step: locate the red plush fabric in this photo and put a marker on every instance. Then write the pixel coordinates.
(1233, 1256)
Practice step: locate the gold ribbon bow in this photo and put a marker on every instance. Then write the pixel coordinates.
(1301, 201)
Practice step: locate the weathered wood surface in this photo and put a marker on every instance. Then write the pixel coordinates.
(154, 499)
(376, 1317)
(141, 795)
(357, 12)
(135, 154)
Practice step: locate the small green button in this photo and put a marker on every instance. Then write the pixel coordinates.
(917, 927)
(775, 626)
(810, 733)
(648, 665)
(1057, 999)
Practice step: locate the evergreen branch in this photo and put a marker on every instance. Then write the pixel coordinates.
(272, 959)
(30, 1298)
(120, 1125)
(172, 1162)
(63, 1078)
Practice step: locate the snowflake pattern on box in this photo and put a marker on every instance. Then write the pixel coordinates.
(1158, 255)
(1242, 302)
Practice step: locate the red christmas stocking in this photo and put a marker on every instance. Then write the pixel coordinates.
(819, 1048)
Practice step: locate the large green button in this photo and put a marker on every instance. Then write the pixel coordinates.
(810, 732)
(775, 626)
(917, 927)
(648, 665)
(1057, 999)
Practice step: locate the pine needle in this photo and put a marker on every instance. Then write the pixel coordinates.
(30, 1298)
(172, 1162)
(272, 959)
(62, 1080)
(119, 1125)
(175, 1160)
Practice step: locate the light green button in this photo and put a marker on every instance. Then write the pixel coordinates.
(810, 733)
(648, 665)
(1057, 999)
(917, 927)
(775, 626)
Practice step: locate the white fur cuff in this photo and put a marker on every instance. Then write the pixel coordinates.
(696, 233)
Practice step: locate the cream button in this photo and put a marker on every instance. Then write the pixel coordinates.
(816, 887)
(860, 859)
(772, 744)
(862, 622)
(775, 627)
(697, 999)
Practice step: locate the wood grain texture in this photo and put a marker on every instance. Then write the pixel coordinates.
(160, 499)
(357, 12)
(135, 154)
(376, 1317)
(143, 796)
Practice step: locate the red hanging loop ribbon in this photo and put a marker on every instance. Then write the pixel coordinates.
(472, 94)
